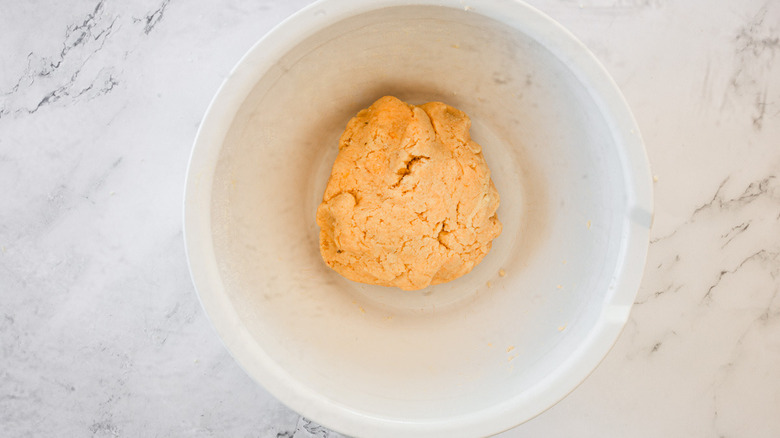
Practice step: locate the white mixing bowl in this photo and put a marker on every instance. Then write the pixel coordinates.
(471, 357)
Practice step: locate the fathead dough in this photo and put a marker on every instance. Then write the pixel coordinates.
(410, 201)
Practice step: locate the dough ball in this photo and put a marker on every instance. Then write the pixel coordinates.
(410, 201)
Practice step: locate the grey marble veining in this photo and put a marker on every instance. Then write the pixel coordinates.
(101, 333)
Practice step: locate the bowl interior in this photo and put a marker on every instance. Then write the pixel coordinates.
(454, 349)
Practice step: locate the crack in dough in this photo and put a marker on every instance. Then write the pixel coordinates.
(409, 202)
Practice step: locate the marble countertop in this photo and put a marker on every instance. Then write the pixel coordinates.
(101, 333)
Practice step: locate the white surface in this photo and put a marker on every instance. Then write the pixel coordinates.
(457, 359)
(101, 333)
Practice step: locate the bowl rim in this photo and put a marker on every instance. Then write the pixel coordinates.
(285, 387)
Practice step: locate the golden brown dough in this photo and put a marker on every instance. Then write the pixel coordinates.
(410, 201)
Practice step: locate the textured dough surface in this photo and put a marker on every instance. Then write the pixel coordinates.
(410, 201)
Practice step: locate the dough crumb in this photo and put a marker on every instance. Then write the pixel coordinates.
(409, 202)
(501, 273)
